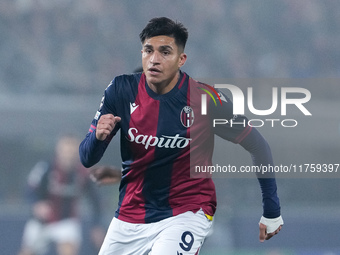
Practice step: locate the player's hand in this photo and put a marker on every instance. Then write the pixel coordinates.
(106, 175)
(269, 227)
(105, 125)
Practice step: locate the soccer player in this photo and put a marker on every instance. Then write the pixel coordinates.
(55, 189)
(164, 208)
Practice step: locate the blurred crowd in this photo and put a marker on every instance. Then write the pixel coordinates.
(70, 46)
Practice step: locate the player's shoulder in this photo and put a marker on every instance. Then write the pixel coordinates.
(124, 82)
(197, 83)
(199, 87)
(124, 79)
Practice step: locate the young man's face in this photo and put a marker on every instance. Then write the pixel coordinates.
(161, 59)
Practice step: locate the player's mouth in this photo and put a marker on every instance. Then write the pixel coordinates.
(154, 71)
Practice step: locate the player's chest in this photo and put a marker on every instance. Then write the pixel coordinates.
(169, 116)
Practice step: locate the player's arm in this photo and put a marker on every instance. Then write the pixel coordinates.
(92, 148)
(37, 182)
(106, 175)
(103, 127)
(250, 139)
(271, 221)
(38, 191)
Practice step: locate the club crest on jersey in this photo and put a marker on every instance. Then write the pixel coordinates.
(187, 116)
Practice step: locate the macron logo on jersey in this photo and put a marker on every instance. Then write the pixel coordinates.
(133, 107)
(164, 141)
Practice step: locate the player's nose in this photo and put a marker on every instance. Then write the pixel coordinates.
(155, 58)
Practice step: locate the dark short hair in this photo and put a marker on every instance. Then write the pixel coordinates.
(165, 26)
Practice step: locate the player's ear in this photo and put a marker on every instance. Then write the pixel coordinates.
(182, 59)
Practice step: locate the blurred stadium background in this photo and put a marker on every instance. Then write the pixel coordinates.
(57, 57)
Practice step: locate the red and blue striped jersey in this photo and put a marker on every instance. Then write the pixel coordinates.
(162, 139)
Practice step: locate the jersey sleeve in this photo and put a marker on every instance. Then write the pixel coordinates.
(91, 149)
(235, 128)
(260, 153)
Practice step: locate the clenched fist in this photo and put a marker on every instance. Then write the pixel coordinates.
(105, 125)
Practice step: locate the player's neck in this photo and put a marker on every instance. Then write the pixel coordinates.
(165, 86)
